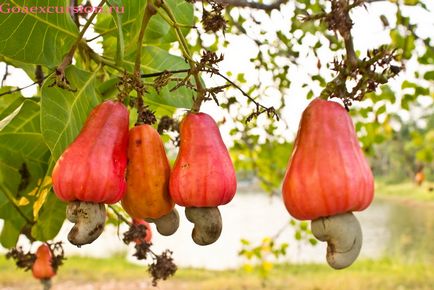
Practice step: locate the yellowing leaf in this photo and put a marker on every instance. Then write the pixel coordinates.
(42, 192)
(22, 201)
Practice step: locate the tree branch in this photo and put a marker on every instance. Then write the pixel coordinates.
(262, 6)
(5, 75)
(254, 5)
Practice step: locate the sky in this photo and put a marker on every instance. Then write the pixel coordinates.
(368, 33)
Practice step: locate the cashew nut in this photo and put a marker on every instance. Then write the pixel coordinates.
(343, 235)
(207, 224)
(167, 224)
(89, 219)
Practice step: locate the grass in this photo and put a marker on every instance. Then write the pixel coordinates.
(405, 191)
(368, 274)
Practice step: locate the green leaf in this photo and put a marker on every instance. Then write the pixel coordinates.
(22, 150)
(297, 235)
(245, 242)
(130, 22)
(313, 241)
(64, 112)
(158, 32)
(429, 76)
(411, 2)
(38, 38)
(23, 163)
(381, 109)
(50, 219)
(10, 233)
(9, 103)
(27, 119)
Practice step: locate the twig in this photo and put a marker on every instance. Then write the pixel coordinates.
(25, 87)
(157, 74)
(97, 58)
(5, 75)
(67, 60)
(143, 114)
(119, 215)
(250, 4)
(258, 105)
(149, 12)
(185, 51)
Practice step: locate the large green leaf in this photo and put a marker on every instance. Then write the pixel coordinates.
(50, 219)
(27, 119)
(63, 112)
(9, 103)
(10, 232)
(23, 163)
(22, 151)
(38, 38)
(158, 32)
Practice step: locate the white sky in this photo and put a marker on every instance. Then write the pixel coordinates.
(368, 33)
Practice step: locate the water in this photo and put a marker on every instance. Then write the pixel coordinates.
(390, 229)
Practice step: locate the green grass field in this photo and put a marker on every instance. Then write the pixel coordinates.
(116, 273)
(405, 191)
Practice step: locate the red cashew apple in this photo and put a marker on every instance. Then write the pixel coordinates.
(203, 176)
(148, 173)
(91, 171)
(42, 268)
(327, 178)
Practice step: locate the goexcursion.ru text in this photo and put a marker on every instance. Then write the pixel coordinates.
(7, 8)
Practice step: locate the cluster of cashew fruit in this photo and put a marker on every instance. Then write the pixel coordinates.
(93, 171)
(327, 178)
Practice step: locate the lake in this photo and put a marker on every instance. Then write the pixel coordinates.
(401, 231)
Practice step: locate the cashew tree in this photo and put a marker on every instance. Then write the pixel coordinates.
(247, 63)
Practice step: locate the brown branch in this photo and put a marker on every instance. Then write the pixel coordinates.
(67, 60)
(254, 5)
(157, 74)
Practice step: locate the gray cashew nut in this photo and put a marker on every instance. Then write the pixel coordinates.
(167, 224)
(207, 224)
(343, 235)
(89, 219)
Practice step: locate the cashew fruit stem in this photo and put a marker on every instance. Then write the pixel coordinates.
(46, 284)
(89, 219)
(207, 224)
(167, 224)
(343, 235)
